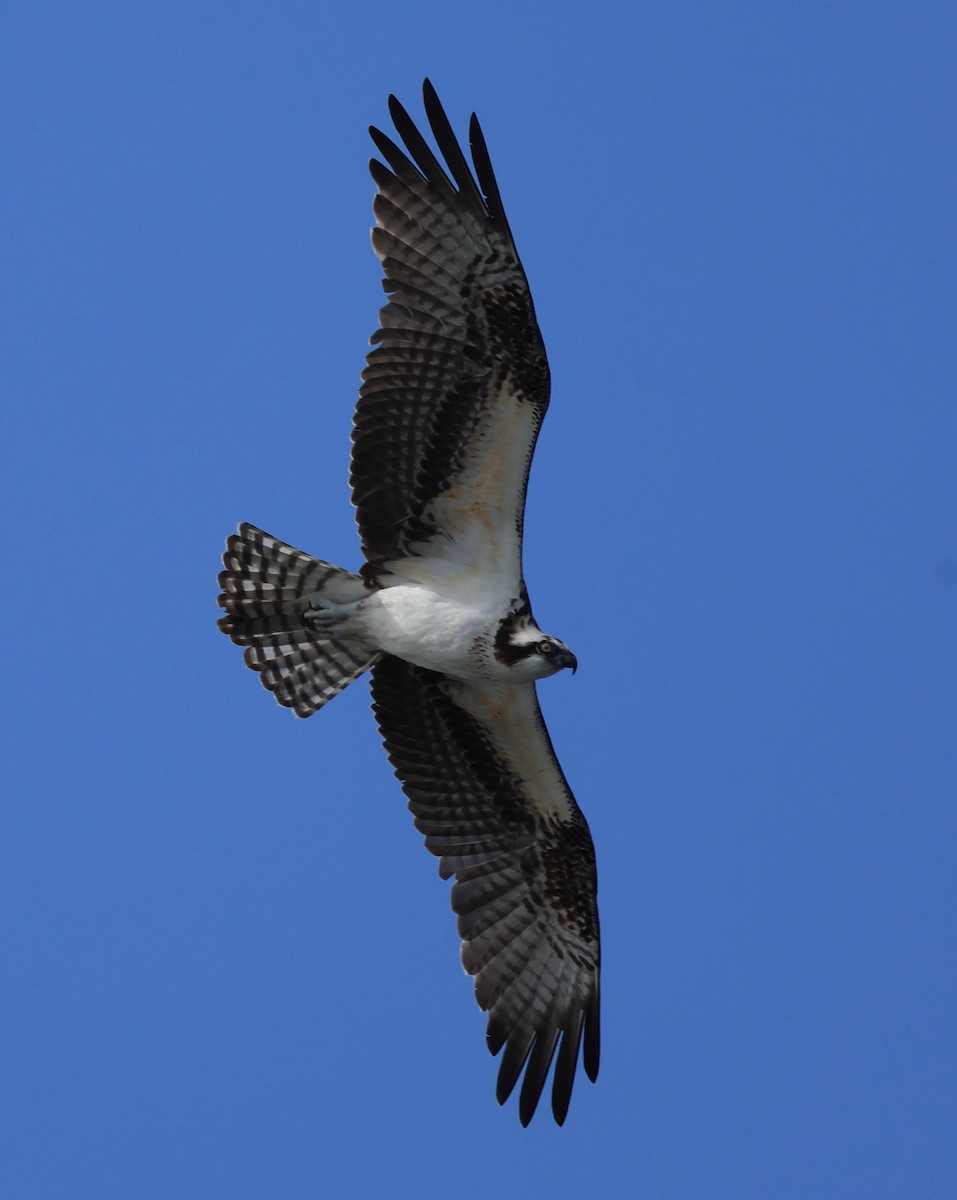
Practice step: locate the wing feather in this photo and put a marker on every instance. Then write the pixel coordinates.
(483, 784)
(535, 1073)
(457, 376)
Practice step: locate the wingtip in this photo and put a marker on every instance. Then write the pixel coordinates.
(396, 108)
(528, 1103)
(591, 1052)
(433, 105)
(591, 1055)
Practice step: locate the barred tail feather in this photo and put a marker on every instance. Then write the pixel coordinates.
(266, 589)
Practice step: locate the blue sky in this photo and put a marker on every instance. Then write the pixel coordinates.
(230, 969)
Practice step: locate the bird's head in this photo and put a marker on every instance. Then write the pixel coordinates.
(532, 654)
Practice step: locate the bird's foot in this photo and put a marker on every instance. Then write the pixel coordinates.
(325, 616)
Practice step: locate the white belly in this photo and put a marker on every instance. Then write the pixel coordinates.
(434, 630)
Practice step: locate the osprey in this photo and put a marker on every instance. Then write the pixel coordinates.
(452, 398)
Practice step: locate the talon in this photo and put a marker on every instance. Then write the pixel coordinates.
(324, 616)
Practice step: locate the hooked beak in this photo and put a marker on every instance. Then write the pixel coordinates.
(566, 659)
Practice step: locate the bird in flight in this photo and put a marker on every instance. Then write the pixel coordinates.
(452, 398)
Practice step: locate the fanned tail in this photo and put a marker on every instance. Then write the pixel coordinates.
(267, 588)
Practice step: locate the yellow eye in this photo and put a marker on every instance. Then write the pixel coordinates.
(546, 647)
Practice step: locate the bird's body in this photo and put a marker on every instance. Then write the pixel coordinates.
(450, 629)
(452, 399)
(445, 624)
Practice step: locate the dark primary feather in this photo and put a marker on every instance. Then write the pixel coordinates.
(458, 332)
(525, 885)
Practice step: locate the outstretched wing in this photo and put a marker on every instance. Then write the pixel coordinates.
(455, 389)
(477, 765)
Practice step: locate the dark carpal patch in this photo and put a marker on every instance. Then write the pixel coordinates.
(568, 863)
(513, 332)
